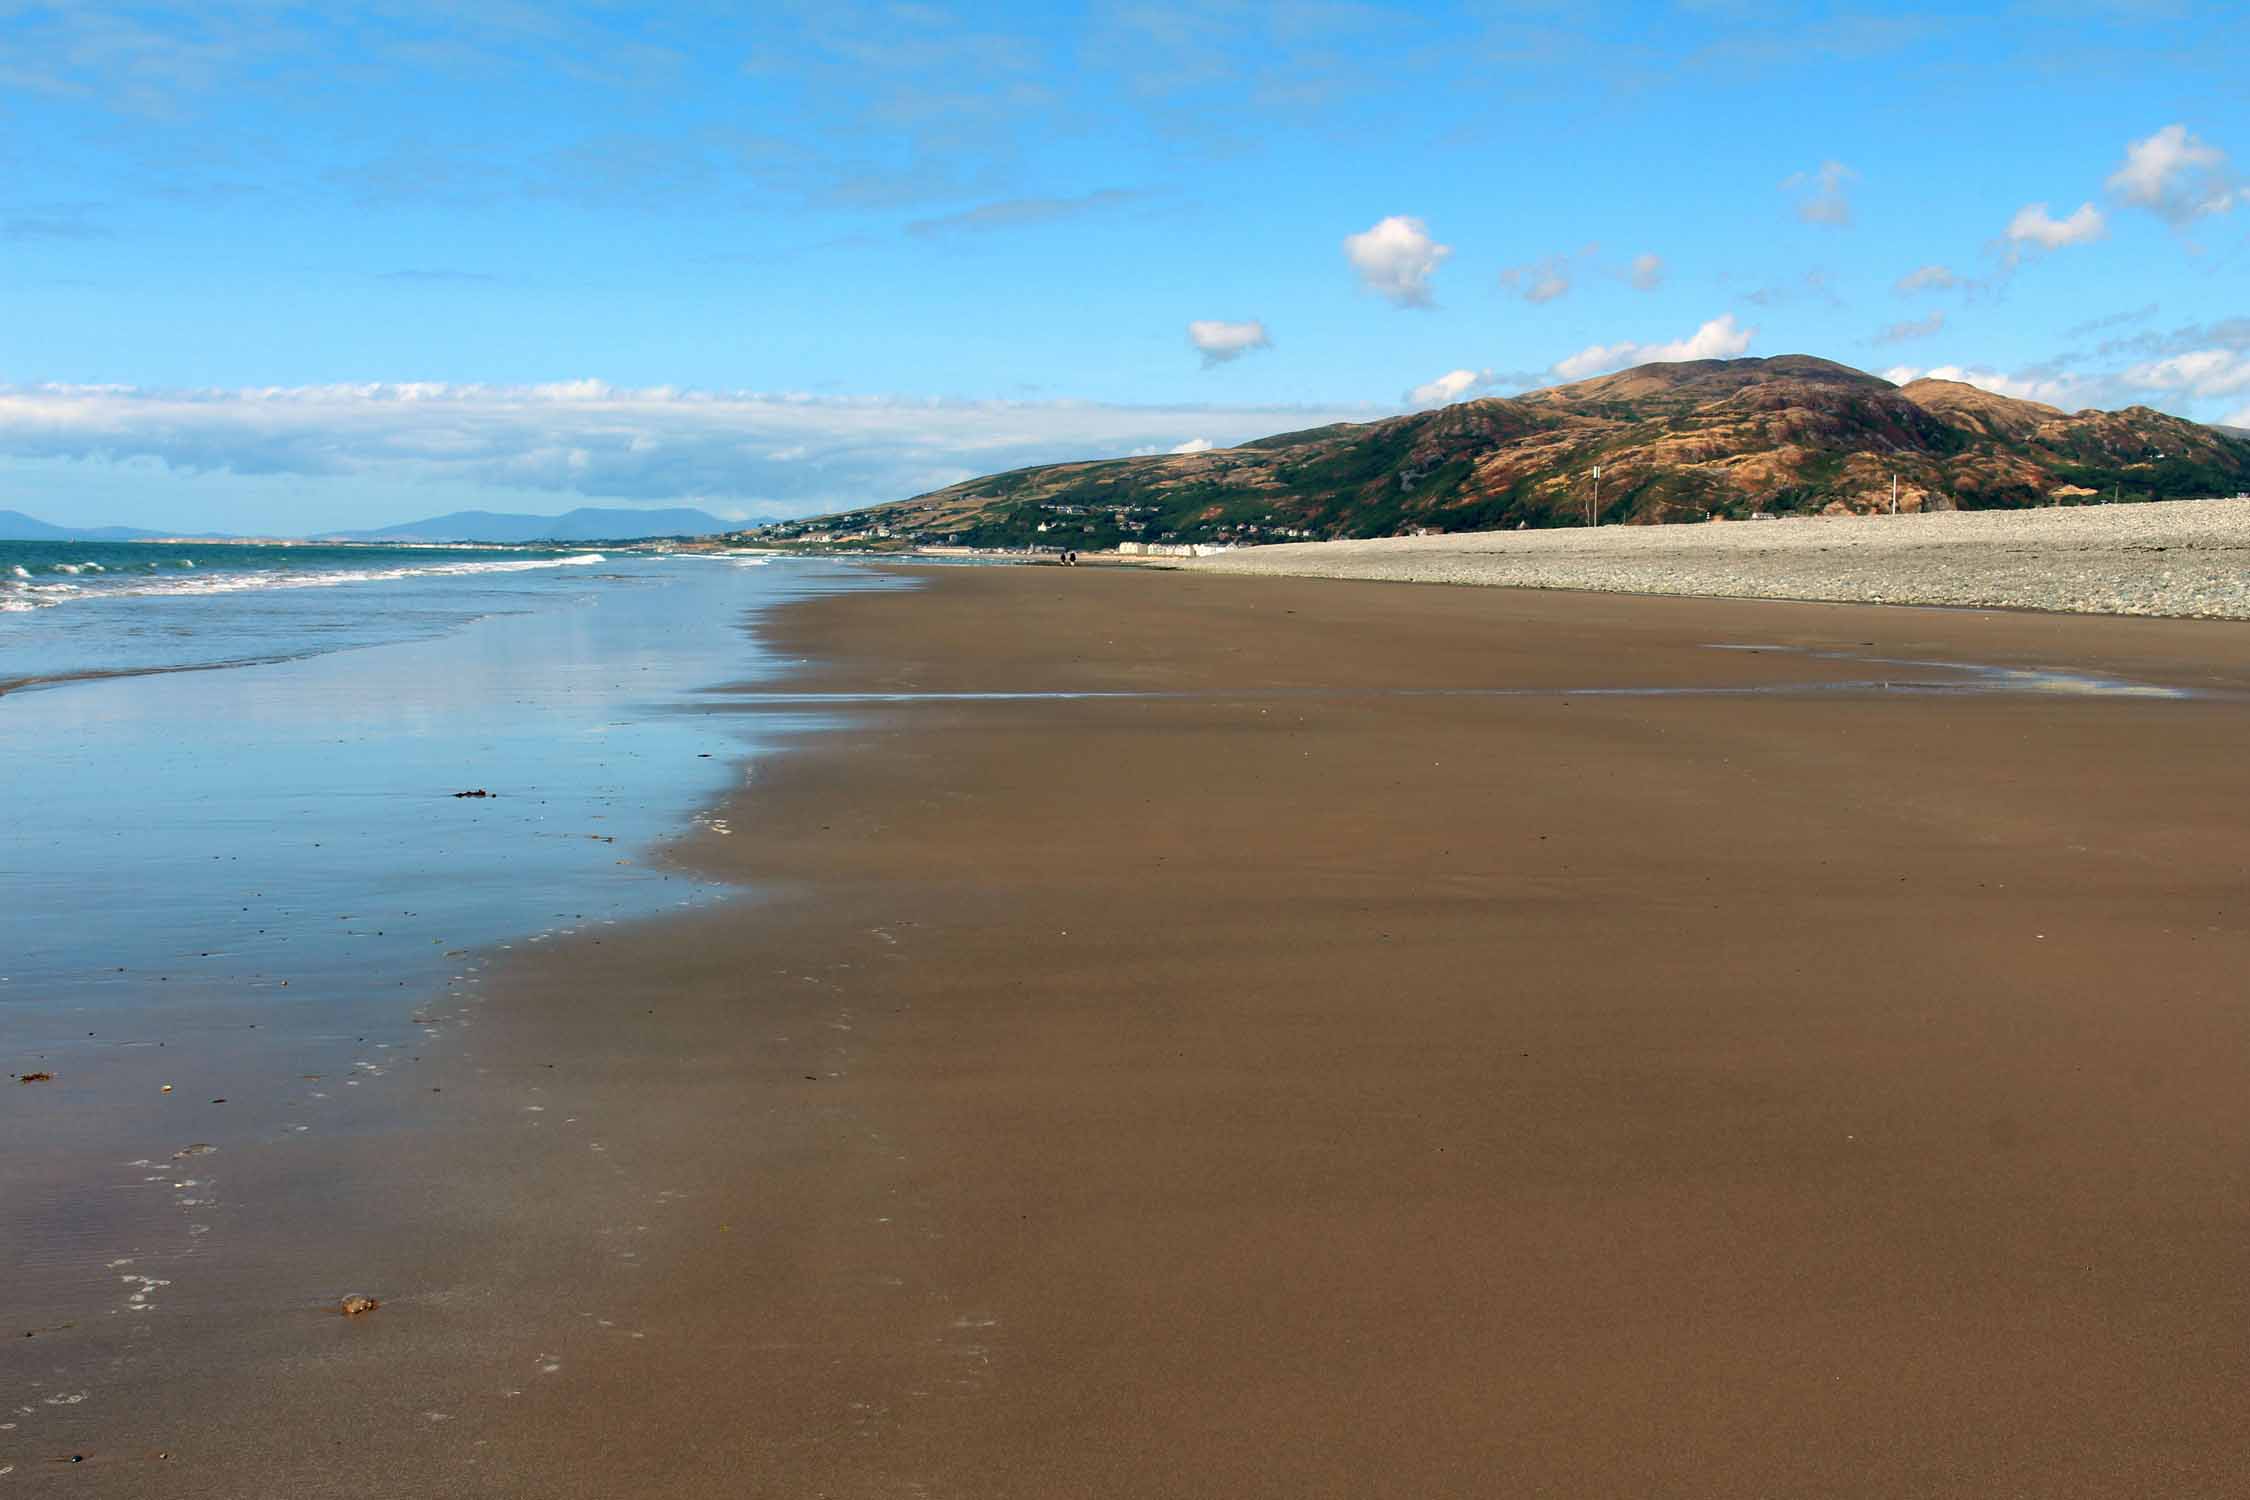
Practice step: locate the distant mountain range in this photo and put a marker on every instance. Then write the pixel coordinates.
(15, 526)
(1673, 442)
(582, 525)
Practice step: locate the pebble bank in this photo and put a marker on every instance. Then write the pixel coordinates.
(2181, 557)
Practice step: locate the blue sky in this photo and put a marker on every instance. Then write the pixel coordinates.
(281, 268)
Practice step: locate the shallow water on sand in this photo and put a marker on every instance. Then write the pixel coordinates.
(1885, 675)
(284, 837)
(237, 906)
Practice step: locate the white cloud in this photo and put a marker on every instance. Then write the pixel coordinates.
(2177, 176)
(2202, 372)
(1717, 339)
(1920, 328)
(1451, 386)
(2061, 390)
(770, 451)
(1820, 193)
(2033, 225)
(1193, 445)
(1647, 272)
(1396, 258)
(2239, 419)
(1221, 341)
(1539, 280)
(1926, 279)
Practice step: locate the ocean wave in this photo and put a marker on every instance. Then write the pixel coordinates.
(17, 597)
(739, 559)
(67, 569)
(25, 594)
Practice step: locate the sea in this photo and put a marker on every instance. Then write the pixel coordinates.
(244, 899)
(269, 816)
(230, 775)
(159, 609)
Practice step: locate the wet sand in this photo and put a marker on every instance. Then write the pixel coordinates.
(1273, 1082)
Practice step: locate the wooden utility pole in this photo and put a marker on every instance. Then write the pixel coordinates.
(1594, 506)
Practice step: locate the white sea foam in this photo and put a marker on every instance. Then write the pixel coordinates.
(28, 595)
(739, 559)
(16, 597)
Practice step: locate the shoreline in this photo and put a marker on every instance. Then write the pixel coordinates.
(241, 969)
(1269, 1083)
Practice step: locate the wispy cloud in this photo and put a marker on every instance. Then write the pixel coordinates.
(2206, 373)
(1023, 213)
(1777, 38)
(1931, 278)
(1919, 328)
(438, 276)
(1551, 277)
(2225, 333)
(54, 221)
(171, 61)
(2108, 321)
(588, 438)
(1820, 194)
(1816, 285)
(1207, 75)
(1542, 280)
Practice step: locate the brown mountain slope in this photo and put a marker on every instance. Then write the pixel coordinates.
(1674, 442)
(1975, 409)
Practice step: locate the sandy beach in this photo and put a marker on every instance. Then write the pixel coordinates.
(1236, 1036)
(1080, 752)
